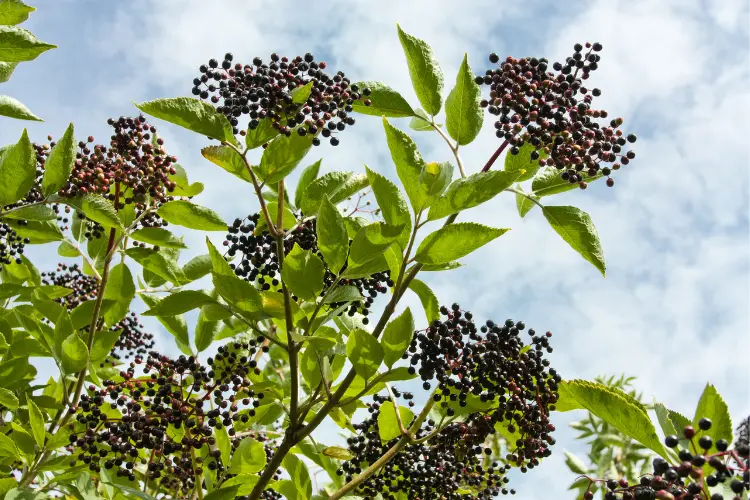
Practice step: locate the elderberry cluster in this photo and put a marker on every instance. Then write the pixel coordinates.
(259, 261)
(452, 463)
(70, 276)
(490, 367)
(553, 113)
(133, 340)
(11, 244)
(293, 94)
(173, 409)
(698, 470)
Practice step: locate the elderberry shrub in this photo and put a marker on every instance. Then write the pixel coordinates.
(450, 464)
(259, 263)
(11, 245)
(553, 113)
(83, 287)
(271, 91)
(697, 469)
(172, 410)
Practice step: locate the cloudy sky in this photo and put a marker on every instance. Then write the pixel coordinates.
(674, 306)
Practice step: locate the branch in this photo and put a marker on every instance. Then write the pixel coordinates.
(494, 156)
(454, 148)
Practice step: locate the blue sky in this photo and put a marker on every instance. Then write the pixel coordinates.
(674, 306)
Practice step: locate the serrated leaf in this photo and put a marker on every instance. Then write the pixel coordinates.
(712, 406)
(474, 190)
(262, 134)
(74, 354)
(364, 353)
(333, 241)
(14, 12)
(179, 303)
(426, 77)
(309, 174)
(396, 337)
(463, 116)
(614, 407)
(121, 291)
(282, 156)
(434, 178)
(38, 232)
(301, 94)
(345, 293)
(370, 243)
(175, 325)
(13, 108)
(427, 298)
(455, 241)
(238, 292)
(158, 236)
(248, 458)
(31, 212)
(421, 121)
(409, 164)
(17, 168)
(192, 114)
(336, 186)
(523, 162)
(186, 214)
(6, 70)
(392, 204)
(338, 453)
(183, 186)
(384, 101)
(576, 228)
(523, 203)
(96, 208)
(36, 422)
(388, 427)
(18, 45)
(205, 331)
(548, 182)
(159, 263)
(303, 273)
(8, 399)
(228, 159)
(197, 267)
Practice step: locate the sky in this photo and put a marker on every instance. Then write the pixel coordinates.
(673, 309)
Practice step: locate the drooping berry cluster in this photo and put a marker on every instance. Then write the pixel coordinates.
(258, 262)
(452, 463)
(11, 244)
(293, 94)
(166, 413)
(70, 276)
(133, 340)
(490, 367)
(553, 113)
(699, 469)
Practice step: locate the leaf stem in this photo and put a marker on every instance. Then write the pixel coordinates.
(454, 148)
(525, 195)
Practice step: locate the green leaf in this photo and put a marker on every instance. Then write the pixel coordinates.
(97, 208)
(59, 164)
(192, 114)
(575, 464)
(226, 493)
(158, 236)
(409, 164)
(338, 453)
(384, 101)
(159, 263)
(248, 458)
(309, 174)
(455, 241)
(282, 156)
(299, 475)
(218, 262)
(336, 186)
(120, 290)
(447, 266)
(364, 353)
(186, 214)
(8, 399)
(303, 273)
(179, 303)
(548, 182)
(577, 229)
(36, 422)
(614, 407)
(397, 337)
(288, 220)
(74, 354)
(228, 159)
(135, 492)
(238, 292)
(301, 94)
(205, 331)
(311, 363)
(470, 192)
(262, 134)
(421, 121)
(434, 178)
(523, 203)
(197, 267)
(103, 344)
(14, 12)
(392, 205)
(8, 447)
(17, 169)
(370, 242)
(426, 77)
(6, 70)
(38, 232)
(175, 325)
(463, 116)
(388, 422)
(333, 241)
(345, 293)
(427, 298)
(523, 162)
(712, 406)
(13, 108)
(32, 212)
(18, 45)
(184, 188)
